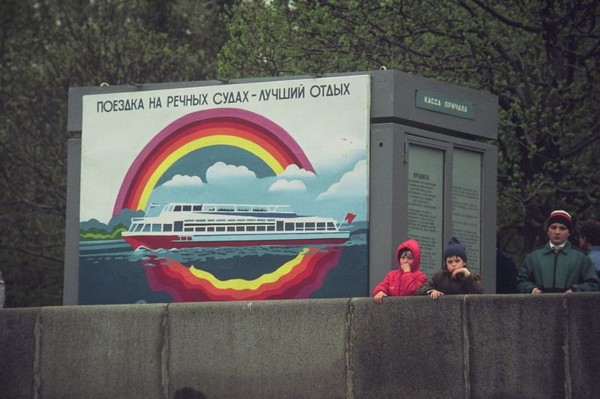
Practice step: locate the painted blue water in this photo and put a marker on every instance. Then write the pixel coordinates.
(110, 272)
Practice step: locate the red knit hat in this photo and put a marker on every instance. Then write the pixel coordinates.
(562, 217)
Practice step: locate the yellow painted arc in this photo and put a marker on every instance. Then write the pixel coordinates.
(234, 141)
(240, 284)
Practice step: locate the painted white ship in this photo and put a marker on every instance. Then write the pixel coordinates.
(186, 225)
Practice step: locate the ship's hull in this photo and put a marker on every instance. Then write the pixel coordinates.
(160, 241)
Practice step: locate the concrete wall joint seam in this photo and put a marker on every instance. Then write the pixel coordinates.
(348, 349)
(37, 373)
(566, 350)
(466, 347)
(165, 353)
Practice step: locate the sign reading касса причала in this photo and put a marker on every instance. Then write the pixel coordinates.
(438, 102)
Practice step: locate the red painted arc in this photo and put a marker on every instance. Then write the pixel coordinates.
(194, 133)
(256, 128)
(306, 277)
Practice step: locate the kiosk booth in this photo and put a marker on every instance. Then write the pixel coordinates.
(274, 188)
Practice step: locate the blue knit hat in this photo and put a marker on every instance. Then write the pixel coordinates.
(455, 248)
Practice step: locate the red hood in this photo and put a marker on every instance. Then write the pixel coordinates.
(414, 247)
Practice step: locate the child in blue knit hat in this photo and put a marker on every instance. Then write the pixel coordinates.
(455, 278)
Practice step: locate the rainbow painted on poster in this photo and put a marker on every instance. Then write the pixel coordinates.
(221, 126)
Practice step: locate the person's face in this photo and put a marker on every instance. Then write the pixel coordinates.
(454, 262)
(406, 258)
(558, 233)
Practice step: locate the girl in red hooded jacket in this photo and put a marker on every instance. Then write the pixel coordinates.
(407, 278)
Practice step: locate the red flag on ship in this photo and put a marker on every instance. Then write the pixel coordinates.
(349, 217)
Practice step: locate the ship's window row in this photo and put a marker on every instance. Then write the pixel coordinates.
(238, 220)
(184, 208)
(195, 227)
(211, 208)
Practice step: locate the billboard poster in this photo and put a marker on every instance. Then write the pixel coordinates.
(244, 191)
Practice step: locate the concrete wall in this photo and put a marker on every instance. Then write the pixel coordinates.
(489, 346)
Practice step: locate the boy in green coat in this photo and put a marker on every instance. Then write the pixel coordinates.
(557, 266)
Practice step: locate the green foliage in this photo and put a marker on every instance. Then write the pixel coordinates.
(46, 47)
(540, 58)
(95, 233)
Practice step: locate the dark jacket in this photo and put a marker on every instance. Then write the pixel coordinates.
(506, 273)
(569, 268)
(443, 282)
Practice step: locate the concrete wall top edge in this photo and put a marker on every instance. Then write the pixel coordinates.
(594, 296)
